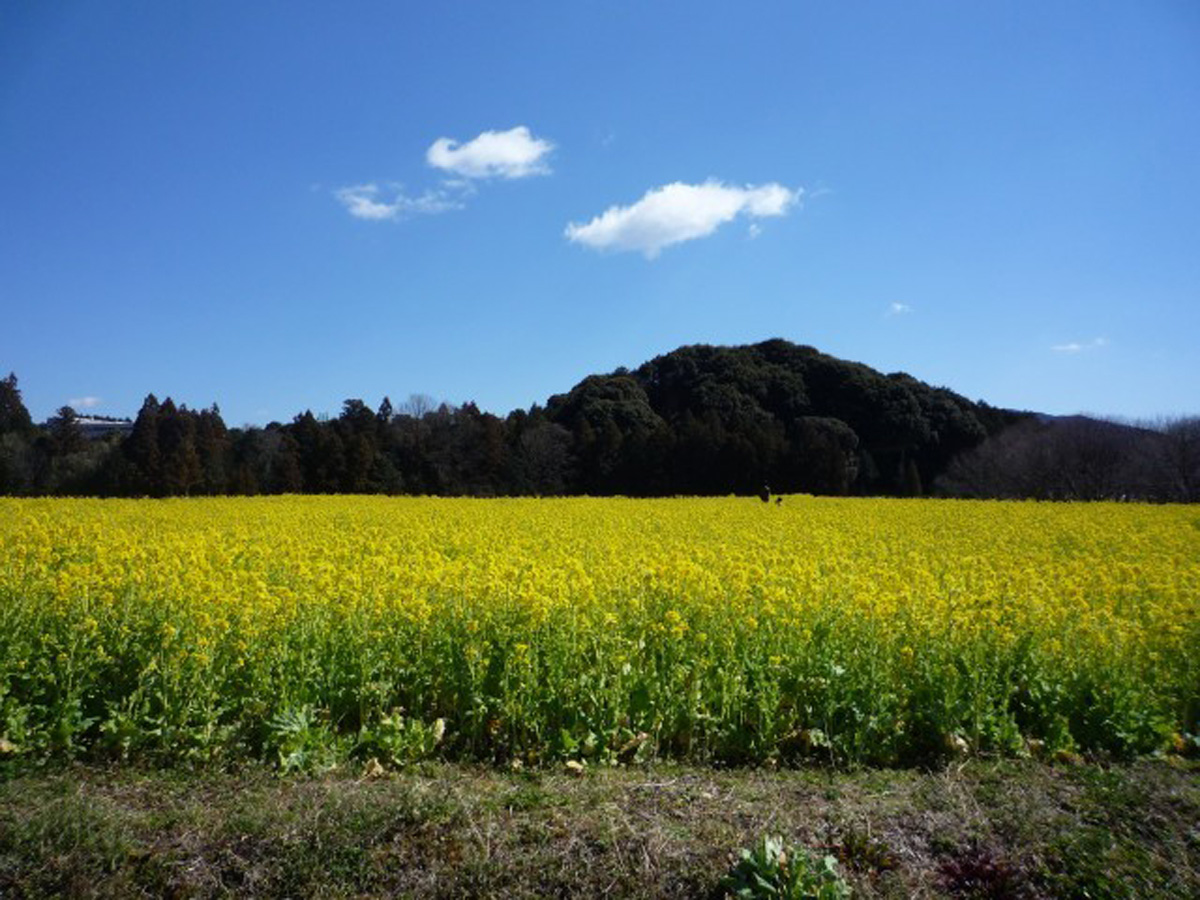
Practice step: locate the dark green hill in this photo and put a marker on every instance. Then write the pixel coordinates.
(710, 419)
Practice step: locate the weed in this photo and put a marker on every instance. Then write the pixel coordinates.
(980, 873)
(771, 870)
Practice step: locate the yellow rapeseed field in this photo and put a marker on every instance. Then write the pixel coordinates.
(315, 630)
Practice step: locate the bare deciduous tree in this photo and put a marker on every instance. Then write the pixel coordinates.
(418, 406)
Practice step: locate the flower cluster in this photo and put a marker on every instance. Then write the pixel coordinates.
(880, 631)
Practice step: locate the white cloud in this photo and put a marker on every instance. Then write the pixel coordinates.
(361, 203)
(1077, 347)
(366, 201)
(515, 153)
(494, 154)
(84, 402)
(679, 212)
(754, 230)
(898, 309)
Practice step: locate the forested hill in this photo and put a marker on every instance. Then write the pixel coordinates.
(713, 420)
(699, 420)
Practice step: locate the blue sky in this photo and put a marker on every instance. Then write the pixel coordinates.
(277, 206)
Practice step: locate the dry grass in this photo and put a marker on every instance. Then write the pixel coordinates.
(981, 829)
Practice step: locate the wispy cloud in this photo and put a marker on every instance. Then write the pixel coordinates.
(84, 402)
(1080, 347)
(368, 201)
(898, 309)
(679, 212)
(515, 153)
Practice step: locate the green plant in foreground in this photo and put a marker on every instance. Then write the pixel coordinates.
(770, 870)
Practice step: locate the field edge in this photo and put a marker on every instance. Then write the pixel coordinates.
(978, 828)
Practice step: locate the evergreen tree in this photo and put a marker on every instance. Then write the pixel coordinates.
(214, 448)
(14, 417)
(65, 434)
(181, 470)
(286, 474)
(142, 452)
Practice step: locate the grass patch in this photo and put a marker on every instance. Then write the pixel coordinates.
(980, 829)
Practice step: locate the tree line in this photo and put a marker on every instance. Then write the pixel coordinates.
(700, 420)
(1080, 458)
